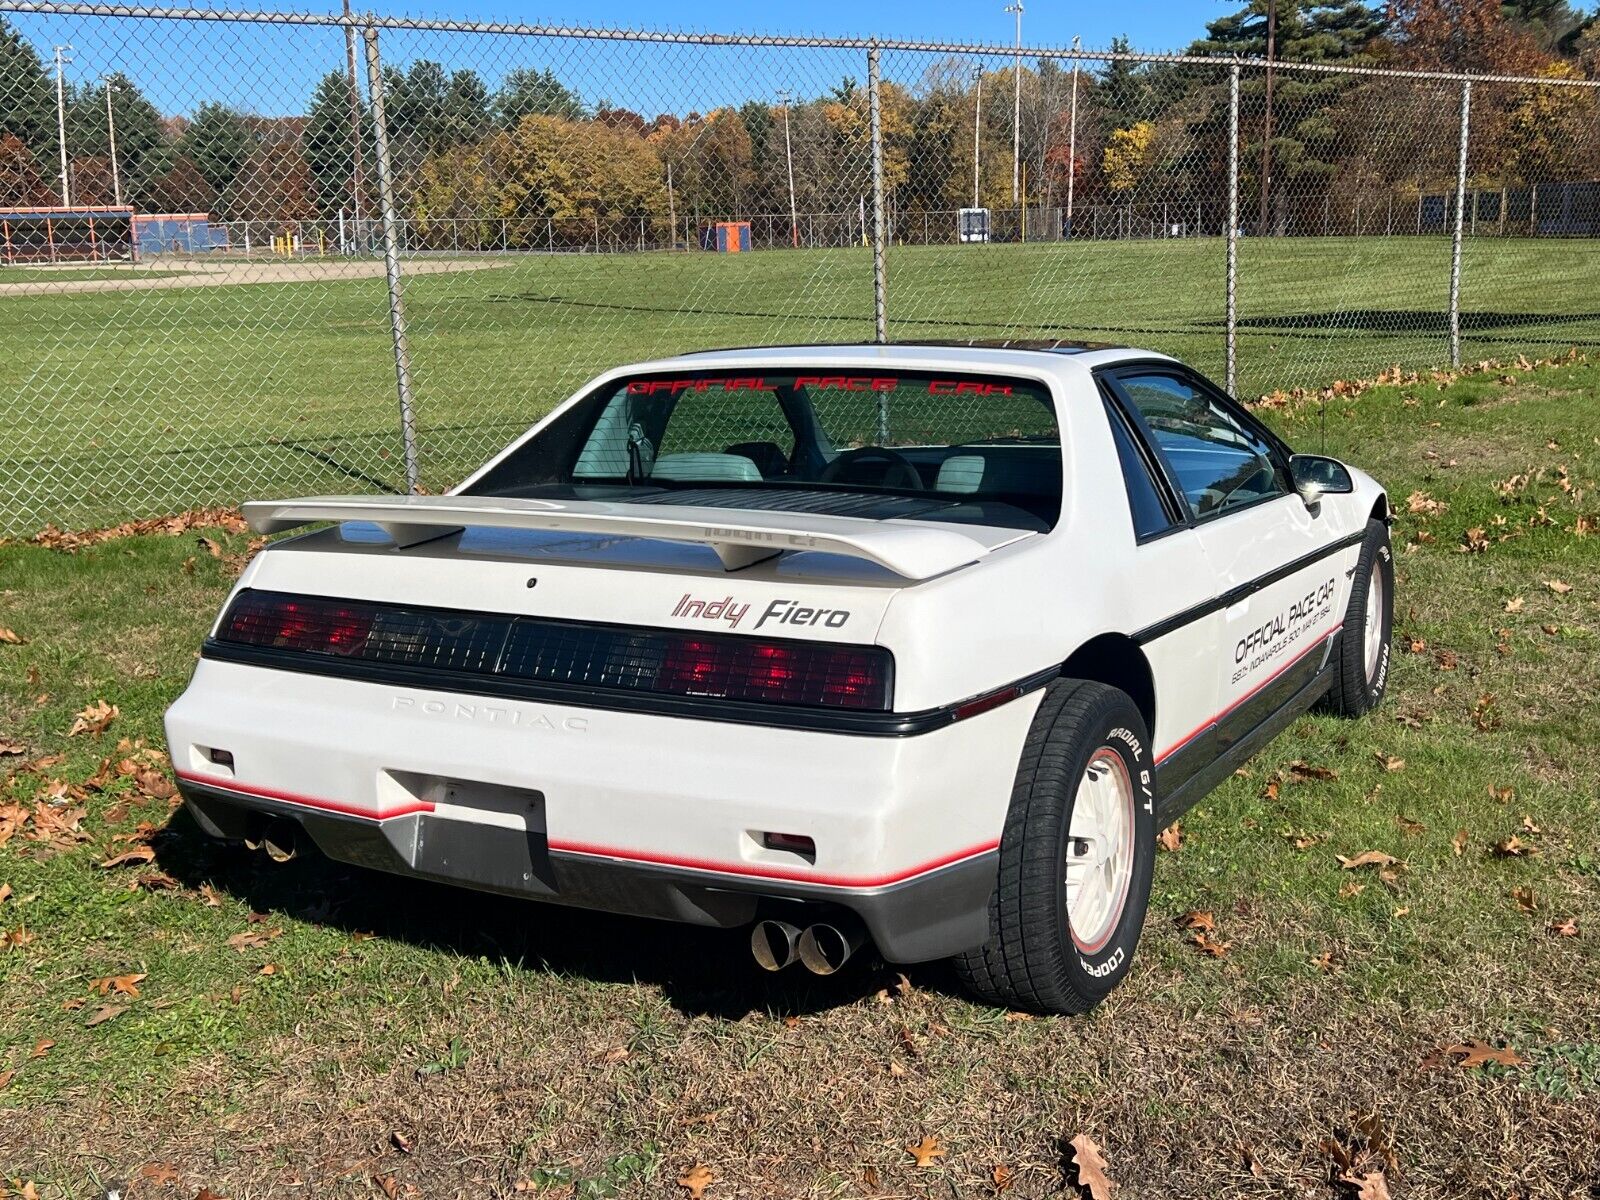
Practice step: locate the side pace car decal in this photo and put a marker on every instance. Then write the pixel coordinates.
(1284, 629)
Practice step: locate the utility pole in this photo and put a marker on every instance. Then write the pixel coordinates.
(61, 121)
(977, 124)
(1266, 136)
(1016, 111)
(1072, 136)
(111, 136)
(788, 154)
(355, 121)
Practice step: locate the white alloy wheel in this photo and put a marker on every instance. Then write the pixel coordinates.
(1100, 851)
(1372, 633)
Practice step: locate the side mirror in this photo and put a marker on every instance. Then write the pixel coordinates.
(1315, 476)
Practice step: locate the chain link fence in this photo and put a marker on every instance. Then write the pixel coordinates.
(250, 253)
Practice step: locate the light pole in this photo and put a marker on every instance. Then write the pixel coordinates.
(1016, 111)
(1072, 136)
(977, 124)
(788, 154)
(1266, 135)
(61, 121)
(355, 125)
(110, 82)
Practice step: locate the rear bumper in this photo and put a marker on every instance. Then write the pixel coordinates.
(935, 914)
(619, 811)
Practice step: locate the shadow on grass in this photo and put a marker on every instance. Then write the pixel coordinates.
(1404, 320)
(700, 971)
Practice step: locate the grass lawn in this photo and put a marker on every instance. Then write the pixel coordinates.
(314, 1029)
(144, 402)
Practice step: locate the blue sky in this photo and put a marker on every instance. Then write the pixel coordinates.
(272, 69)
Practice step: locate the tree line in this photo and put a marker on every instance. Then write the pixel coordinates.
(509, 161)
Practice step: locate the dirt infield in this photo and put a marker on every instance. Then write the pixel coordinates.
(189, 273)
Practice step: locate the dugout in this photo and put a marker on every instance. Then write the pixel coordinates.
(66, 233)
(177, 233)
(731, 237)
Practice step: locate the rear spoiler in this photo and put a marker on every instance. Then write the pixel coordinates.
(738, 538)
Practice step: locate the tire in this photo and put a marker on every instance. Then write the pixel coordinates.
(1361, 669)
(1034, 958)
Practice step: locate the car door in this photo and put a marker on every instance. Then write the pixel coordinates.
(1171, 612)
(1279, 578)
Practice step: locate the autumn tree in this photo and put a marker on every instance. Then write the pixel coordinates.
(21, 182)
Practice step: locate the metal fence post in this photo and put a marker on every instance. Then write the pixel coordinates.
(1461, 203)
(391, 256)
(879, 288)
(1232, 384)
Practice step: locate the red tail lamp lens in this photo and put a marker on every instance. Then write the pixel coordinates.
(302, 623)
(781, 673)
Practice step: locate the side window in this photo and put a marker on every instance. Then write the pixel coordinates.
(1219, 464)
(1150, 515)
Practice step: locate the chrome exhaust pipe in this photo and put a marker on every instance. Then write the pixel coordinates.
(826, 948)
(774, 944)
(279, 840)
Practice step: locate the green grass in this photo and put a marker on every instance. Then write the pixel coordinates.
(122, 404)
(68, 274)
(587, 1055)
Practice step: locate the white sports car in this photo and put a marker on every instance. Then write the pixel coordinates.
(915, 644)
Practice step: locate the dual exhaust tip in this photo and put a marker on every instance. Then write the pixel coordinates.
(279, 837)
(823, 948)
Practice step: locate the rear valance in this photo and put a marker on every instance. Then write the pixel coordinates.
(738, 538)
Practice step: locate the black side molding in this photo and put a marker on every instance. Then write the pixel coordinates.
(1233, 595)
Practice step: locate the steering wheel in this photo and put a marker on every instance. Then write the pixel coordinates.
(898, 471)
(1263, 465)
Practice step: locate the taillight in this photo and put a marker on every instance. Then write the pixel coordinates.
(299, 623)
(777, 672)
(537, 649)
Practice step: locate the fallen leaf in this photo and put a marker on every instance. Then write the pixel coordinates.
(208, 894)
(210, 546)
(106, 1012)
(1171, 838)
(697, 1179)
(1351, 890)
(926, 1151)
(1558, 587)
(5, 892)
(1324, 961)
(1196, 919)
(1369, 1185)
(1091, 1166)
(11, 637)
(206, 1193)
(385, 1183)
(1504, 795)
(5, 1078)
(1459, 842)
(1208, 947)
(1514, 847)
(1565, 928)
(253, 937)
(160, 1174)
(1528, 825)
(268, 969)
(1513, 605)
(94, 718)
(1410, 824)
(615, 1054)
(138, 854)
(1475, 1053)
(41, 1048)
(1303, 771)
(1002, 1177)
(122, 985)
(1525, 900)
(1390, 762)
(1367, 858)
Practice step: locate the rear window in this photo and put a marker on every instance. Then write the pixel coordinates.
(953, 447)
